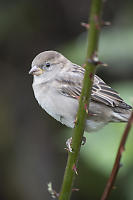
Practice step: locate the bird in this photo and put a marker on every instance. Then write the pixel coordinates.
(57, 85)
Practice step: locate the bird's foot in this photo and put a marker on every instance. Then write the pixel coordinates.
(52, 192)
(68, 144)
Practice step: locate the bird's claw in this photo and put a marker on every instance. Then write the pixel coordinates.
(53, 193)
(68, 144)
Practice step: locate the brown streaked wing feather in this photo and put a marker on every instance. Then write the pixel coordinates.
(105, 94)
(73, 92)
(70, 85)
(101, 92)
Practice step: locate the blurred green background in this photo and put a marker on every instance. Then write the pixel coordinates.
(31, 142)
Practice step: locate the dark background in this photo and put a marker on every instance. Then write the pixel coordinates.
(31, 142)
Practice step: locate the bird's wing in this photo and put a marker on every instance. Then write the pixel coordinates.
(105, 94)
(71, 85)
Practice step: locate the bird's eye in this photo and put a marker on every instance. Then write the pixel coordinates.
(47, 64)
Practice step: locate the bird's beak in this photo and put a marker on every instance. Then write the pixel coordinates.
(36, 71)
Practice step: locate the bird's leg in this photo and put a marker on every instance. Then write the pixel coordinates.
(52, 192)
(69, 143)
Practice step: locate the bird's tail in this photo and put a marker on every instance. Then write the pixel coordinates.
(122, 116)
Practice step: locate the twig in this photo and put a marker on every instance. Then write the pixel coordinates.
(90, 67)
(116, 166)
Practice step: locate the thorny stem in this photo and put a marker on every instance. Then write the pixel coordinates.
(116, 166)
(90, 67)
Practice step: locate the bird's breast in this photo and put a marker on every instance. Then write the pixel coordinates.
(60, 107)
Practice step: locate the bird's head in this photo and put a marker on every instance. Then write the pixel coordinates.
(47, 61)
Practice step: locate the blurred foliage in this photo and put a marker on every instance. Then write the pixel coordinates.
(31, 142)
(107, 51)
(101, 149)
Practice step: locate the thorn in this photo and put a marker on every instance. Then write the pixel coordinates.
(83, 140)
(120, 165)
(95, 60)
(85, 25)
(75, 189)
(89, 113)
(74, 168)
(86, 108)
(52, 192)
(106, 23)
(103, 64)
(92, 114)
(75, 121)
(68, 144)
(91, 75)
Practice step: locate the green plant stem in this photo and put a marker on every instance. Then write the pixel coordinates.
(116, 166)
(90, 67)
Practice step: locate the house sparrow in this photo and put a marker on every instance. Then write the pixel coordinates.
(57, 84)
